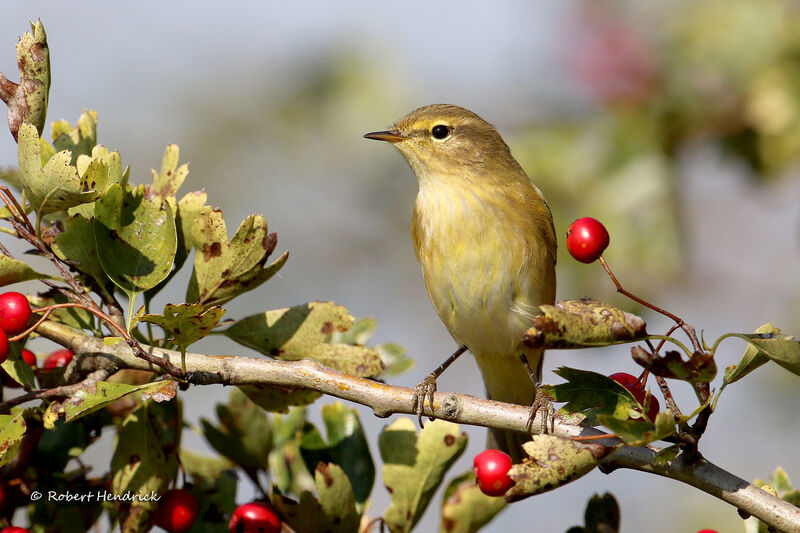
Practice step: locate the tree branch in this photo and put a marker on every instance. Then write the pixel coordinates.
(93, 354)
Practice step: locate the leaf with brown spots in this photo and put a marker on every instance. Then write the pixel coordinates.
(304, 332)
(465, 509)
(414, 465)
(27, 101)
(346, 446)
(57, 185)
(167, 182)
(555, 461)
(90, 399)
(145, 457)
(79, 140)
(136, 237)
(12, 428)
(186, 323)
(583, 323)
(243, 434)
(224, 269)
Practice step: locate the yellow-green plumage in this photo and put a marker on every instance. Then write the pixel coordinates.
(485, 239)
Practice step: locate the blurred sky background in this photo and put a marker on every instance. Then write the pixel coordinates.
(673, 122)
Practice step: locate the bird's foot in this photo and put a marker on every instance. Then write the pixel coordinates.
(543, 402)
(423, 390)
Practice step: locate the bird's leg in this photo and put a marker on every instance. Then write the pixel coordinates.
(541, 401)
(428, 385)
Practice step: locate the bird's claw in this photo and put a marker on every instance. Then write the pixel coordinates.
(424, 389)
(543, 402)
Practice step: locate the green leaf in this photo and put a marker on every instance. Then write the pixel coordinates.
(335, 495)
(14, 271)
(395, 358)
(12, 428)
(76, 246)
(58, 185)
(334, 511)
(638, 432)
(666, 455)
(465, 509)
(768, 340)
(187, 323)
(224, 269)
(581, 324)
(305, 515)
(94, 397)
(700, 368)
(244, 434)
(414, 466)
(302, 332)
(79, 140)
(286, 466)
(17, 368)
(347, 447)
(144, 458)
(207, 468)
(359, 333)
(780, 480)
(555, 462)
(592, 394)
(167, 182)
(135, 236)
(279, 399)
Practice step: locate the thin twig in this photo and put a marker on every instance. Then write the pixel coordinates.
(678, 320)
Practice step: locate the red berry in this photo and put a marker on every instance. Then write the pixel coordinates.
(255, 517)
(3, 346)
(707, 531)
(491, 467)
(623, 378)
(587, 238)
(14, 529)
(14, 312)
(29, 357)
(57, 359)
(639, 394)
(177, 511)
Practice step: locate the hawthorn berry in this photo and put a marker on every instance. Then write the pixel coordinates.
(3, 346)
(14, 529)
(177, 511)
(57, 359)
(14, 312)
(587, 238)
(623, 378)
(491, 468)
(255, 517)
(707, 531)
(29, 357)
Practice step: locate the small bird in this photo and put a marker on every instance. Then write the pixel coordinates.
(484, 236)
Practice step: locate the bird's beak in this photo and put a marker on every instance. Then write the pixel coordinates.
(391, 136)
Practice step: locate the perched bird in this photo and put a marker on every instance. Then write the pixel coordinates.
(484, 236)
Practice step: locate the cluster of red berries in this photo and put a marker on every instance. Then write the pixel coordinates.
(178, 511)
(15, 312)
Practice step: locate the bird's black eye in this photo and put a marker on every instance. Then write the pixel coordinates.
(440, 131)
